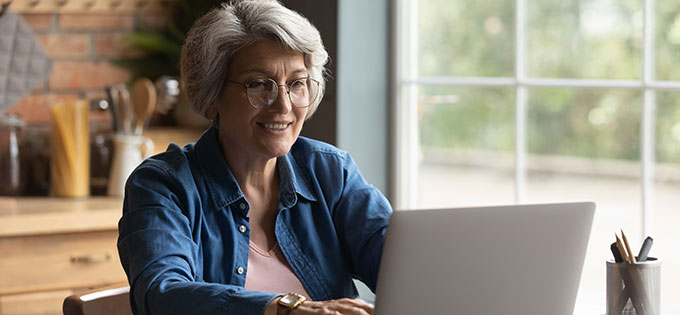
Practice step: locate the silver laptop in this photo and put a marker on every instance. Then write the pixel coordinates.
(522, 259)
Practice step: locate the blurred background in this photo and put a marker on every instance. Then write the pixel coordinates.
(442, 103)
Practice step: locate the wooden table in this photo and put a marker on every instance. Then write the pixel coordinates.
(53, 247)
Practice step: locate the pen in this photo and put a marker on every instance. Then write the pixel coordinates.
(644, 250)
(617, 254)
(631, 256)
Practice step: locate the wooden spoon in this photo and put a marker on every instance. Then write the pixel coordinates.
(144, 102)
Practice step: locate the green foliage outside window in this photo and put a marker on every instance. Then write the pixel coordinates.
(584, 39)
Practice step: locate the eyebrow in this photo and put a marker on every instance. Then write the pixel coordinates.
(267, 73)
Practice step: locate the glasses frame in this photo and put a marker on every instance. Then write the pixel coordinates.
(278, 86)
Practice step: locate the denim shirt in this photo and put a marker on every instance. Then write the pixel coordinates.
(184, 235)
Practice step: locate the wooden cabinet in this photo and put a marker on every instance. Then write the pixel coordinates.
(51, 248)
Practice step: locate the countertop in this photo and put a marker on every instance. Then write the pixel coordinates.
(21, 216)
(44, 215)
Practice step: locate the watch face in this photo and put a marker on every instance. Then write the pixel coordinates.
(291, 300)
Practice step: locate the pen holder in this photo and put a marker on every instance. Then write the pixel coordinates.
(634, 289)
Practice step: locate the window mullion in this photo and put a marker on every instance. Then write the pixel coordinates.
(406, 147)
(520, 143)
(520, 101)
(647, 160)
(647, 156)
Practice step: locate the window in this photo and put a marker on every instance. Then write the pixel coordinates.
(538, 101)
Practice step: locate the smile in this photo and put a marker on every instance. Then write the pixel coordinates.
(274, 126)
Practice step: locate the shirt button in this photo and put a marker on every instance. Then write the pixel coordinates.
(240, 270)
(242, 206)
(242, 228)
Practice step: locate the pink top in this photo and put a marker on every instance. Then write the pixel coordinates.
(270, 272)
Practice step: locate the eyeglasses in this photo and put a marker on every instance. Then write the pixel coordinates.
(263, 92)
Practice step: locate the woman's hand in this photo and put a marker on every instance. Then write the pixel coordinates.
(339, 307)
(335, 307)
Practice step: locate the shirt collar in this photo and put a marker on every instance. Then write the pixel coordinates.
(222, 186)
(293, 181)
(220, 182)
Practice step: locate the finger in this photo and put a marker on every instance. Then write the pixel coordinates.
(340, 307)
(346, 306)
(360, 304)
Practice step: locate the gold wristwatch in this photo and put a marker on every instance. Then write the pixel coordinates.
(289, 302)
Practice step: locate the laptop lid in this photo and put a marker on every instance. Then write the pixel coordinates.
(521, 259)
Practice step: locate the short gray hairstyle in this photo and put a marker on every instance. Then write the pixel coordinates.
(214, 38)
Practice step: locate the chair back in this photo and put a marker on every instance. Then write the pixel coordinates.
(110, 300)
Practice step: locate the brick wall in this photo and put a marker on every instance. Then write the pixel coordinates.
(81, 48)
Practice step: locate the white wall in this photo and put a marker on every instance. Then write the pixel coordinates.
(362, 86)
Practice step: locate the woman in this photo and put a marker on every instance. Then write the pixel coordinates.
(251, 211)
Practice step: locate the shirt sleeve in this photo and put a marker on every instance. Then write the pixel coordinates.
(161, 258)
(361, 216)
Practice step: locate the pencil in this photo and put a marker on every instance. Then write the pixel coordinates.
(622, 249)
(630, 252)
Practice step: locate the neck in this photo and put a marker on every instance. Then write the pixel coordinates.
(254, 174)
(258, 174)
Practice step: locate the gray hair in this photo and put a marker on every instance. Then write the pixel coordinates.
(217, 36)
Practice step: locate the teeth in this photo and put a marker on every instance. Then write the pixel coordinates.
(275, 126)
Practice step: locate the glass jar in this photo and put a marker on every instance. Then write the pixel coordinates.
(38, 151)
(101, 148)
(12, 168)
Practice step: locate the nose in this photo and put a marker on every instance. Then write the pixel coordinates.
(282, 103)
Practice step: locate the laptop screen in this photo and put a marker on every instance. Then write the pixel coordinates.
(520, 259)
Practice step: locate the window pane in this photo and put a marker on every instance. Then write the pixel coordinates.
(668, 128)
(467, 144)
(584, 39)
(667, 39)
(466, 38)
(665, 212)
(584, 145)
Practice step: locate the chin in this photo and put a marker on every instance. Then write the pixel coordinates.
(279, 149)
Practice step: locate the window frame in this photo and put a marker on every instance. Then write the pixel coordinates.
(405, 146)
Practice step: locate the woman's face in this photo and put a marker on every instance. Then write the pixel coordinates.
(266, 132)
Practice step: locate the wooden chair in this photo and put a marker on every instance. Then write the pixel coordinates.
(110, 300)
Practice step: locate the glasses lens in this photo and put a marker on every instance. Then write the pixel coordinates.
(261, 92)
(303, 92)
